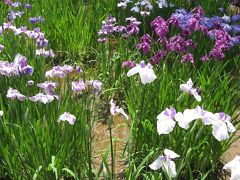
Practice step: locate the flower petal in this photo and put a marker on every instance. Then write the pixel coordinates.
(170, 153)
(220, 131)
(157, 164)
(165, 126)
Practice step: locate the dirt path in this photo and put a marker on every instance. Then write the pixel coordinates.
(101, 143)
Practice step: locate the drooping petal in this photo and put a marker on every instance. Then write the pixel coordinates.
(165, 126)
(234, 166)
(172, 169)
(230, 127)
(170, 153)
(196, 95)
(147, 75)
(121, 111)
(133, 71)
(157, 164)
(220, 131)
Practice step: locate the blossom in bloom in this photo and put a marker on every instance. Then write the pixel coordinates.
(78, 86)
(59, 71)
(115, 110)
(188, 116)
(187, 57)
(1, 113)
(131, 28)
(188, 88)
(21, 63)
(165, 121)
(234, 166)
(145, 44)
(160, 27)
(13, 15)
(15, 4)
(158, 56)
(48, 87)
(95, 84)
(43, 98)
(123, 4)
(35, 20)
(78, 69)
(165, 162)
(13, 93)
(44, 53)
(146, 72)
(226, 19)
(30, 82)
(221, 124)
(129, 64)
(28, 6)
(67, 117)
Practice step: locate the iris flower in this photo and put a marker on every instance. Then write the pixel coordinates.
(166, 162)
(42, 98)
(221, 124)
(67, 117)
(13, 93)
(166, 123)
(234, 166)
(188, 88)
(146, 72)
(188, 116)
(115, 110)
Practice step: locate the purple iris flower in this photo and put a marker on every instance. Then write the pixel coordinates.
(15, 4)
(145, 44)
(129, 64)
(187, 57)
(235, 18)
(158, 56)
(78, 86)
(13, 94)
(160, 27)
(48, 87)
(28, 6)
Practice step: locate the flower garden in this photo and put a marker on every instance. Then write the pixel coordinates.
(168, 69)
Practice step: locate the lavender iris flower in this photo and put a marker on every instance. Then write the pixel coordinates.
(13, 94)
(48, 87)
(67, 117)
(116, 110)
(188, 88)
(42, 98)
(78, 86)
(165, 162)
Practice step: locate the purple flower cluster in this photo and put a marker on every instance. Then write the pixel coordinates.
(34, 34)
(16, 68)
(59, 71)
(145, 44)
(216, 28)
(35, 20)
(158, 56)
(78, 86)
(109, 27)
(12, 15)
(160, 27)
(223, 42)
